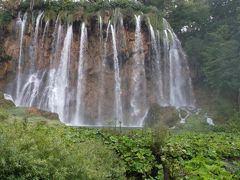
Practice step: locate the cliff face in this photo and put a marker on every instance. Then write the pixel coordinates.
(97, 73)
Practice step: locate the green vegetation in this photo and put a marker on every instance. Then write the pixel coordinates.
(36, 147)
(35, 151)
(84, 9)
(203, 156)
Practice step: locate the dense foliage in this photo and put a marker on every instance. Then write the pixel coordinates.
(202, 155)
(42, 152)
(33, 147)
(84, 8)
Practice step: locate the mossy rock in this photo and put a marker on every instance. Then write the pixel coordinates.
(45, 114)
(6, 103)
(167, 116)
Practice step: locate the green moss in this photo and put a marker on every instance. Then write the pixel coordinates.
(73, 11)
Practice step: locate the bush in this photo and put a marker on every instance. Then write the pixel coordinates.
(232, 125)
(3, 115)
(40, 152)
(201, 156)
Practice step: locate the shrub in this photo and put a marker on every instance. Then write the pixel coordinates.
(3, 115)
(40, 152)
(201, 156)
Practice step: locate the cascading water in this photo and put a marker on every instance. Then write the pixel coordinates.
(118, 91)
(62, 74)
(114, 74)
(22, 24)
(179, 80)
(102, 76)
(156, 66)
(33, 48)
(49, 95)
(30, 89)
(45, 31)
(100, 79)
(80, 80)
(138, 84)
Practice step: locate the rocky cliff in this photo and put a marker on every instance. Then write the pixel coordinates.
(106, 70)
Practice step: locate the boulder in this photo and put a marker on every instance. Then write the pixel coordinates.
(6, 103)
(166, 116)
(45, 114)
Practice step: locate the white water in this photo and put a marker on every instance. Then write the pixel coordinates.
(157, 73)
(210, 121)
(30, 88)
(183, 115)
(101, 69)
(138, 84)
(8, 97)
(45, 32)
(179, 81)
(61, 81)
(50, 89)
(118, 91)
(22, 24)
(80, 81)
(102, 76)
(33, 48)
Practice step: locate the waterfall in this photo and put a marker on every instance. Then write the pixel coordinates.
(156, 66)
(45, 32)
(102, 74)
(180, 87)
(80, 80)
(34, 46)
(101, 71)
(115, 67)
(29, 92)
(48, 100)
(61, 77)
(22, 24)
(30, 87)
(138, 84)
(118, 91)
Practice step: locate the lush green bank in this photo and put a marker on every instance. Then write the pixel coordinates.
(33, 147)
